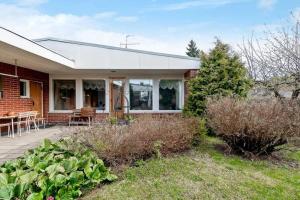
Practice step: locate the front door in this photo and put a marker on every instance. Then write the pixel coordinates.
(117, 98)
(36, 94)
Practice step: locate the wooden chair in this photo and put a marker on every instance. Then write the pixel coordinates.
(7, 125)
(74, 117)
(89, 114)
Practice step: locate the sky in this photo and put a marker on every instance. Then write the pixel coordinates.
(156, 25)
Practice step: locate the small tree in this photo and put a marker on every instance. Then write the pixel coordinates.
(221, 73)
(192, 49)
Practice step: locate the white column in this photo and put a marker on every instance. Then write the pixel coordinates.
(107, 97)
(79, 94)
(155, 94)
(51, 95)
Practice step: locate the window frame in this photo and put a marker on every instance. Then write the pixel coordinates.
(105, 88)
(179, 93)
(52, 92)
(129, 100)
(27, 86)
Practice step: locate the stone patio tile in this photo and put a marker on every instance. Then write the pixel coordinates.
(11, 148)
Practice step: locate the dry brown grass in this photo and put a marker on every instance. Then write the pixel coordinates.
(146, 136)
(254, 127)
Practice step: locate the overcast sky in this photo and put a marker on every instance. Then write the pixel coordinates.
(157, 25)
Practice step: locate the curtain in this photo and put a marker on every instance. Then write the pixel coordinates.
(169, 84)
(94, 85)
(65, 84)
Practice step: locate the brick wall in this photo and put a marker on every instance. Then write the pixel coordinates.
(11, 100)
(64, 117)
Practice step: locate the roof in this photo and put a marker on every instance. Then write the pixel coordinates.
(114, 48)
(28, 40)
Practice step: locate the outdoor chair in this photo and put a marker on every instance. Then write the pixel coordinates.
(85, 115)
(22, 119)
(41, 121)
(74, 117)
(6, 125)
(32, 120)
(88, 114)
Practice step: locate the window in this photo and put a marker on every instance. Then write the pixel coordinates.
(140, 94)
(64, 94)
(24, 88)
(1, 87)
(169, 97)
(94, 94)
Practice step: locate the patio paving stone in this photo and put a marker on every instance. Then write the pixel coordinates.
(12, 148)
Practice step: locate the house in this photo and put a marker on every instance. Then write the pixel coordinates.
(55, 76)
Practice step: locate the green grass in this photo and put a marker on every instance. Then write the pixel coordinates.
(206, 173)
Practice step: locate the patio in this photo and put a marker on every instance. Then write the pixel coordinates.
(11, 148)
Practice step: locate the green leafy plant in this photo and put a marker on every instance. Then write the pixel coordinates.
(60, 170)
(113, 120)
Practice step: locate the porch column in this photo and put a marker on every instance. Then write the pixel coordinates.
(79, 94)
(155, 94)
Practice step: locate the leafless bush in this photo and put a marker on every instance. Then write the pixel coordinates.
(254, 127)
(146, 136)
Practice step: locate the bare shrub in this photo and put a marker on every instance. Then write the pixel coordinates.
(139, 140)
(254, 127)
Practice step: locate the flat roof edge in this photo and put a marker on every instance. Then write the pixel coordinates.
(116, 48)
(35, 43)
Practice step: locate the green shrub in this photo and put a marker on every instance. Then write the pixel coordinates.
(202, 132)
(221, 73)
(60, 170)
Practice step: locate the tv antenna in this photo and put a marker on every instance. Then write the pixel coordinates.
(126, 44)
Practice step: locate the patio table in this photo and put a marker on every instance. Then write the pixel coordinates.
(12, 117)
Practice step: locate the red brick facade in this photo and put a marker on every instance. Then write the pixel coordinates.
(11, 100)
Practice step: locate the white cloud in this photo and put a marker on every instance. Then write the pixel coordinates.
(127, 19)
(198, 3)
(31, 23)
(104, 15)
(266, 4)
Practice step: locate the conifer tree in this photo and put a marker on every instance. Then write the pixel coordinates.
(192, 49)
(221, 73)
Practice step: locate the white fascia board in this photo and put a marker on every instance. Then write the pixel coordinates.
(25, 44)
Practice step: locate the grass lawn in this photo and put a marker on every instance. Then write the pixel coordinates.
(206, 173)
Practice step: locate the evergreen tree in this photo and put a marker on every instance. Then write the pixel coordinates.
(192, 49)
(221, 73)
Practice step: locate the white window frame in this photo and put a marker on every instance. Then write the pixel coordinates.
(105, 92)
(51, 92)
(181, 94)
(27, 88)
(79, 91)
(128, 96)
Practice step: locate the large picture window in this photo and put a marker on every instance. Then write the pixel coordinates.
(94, 94)
(141, 94)
(169, 97)
(64, 94)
